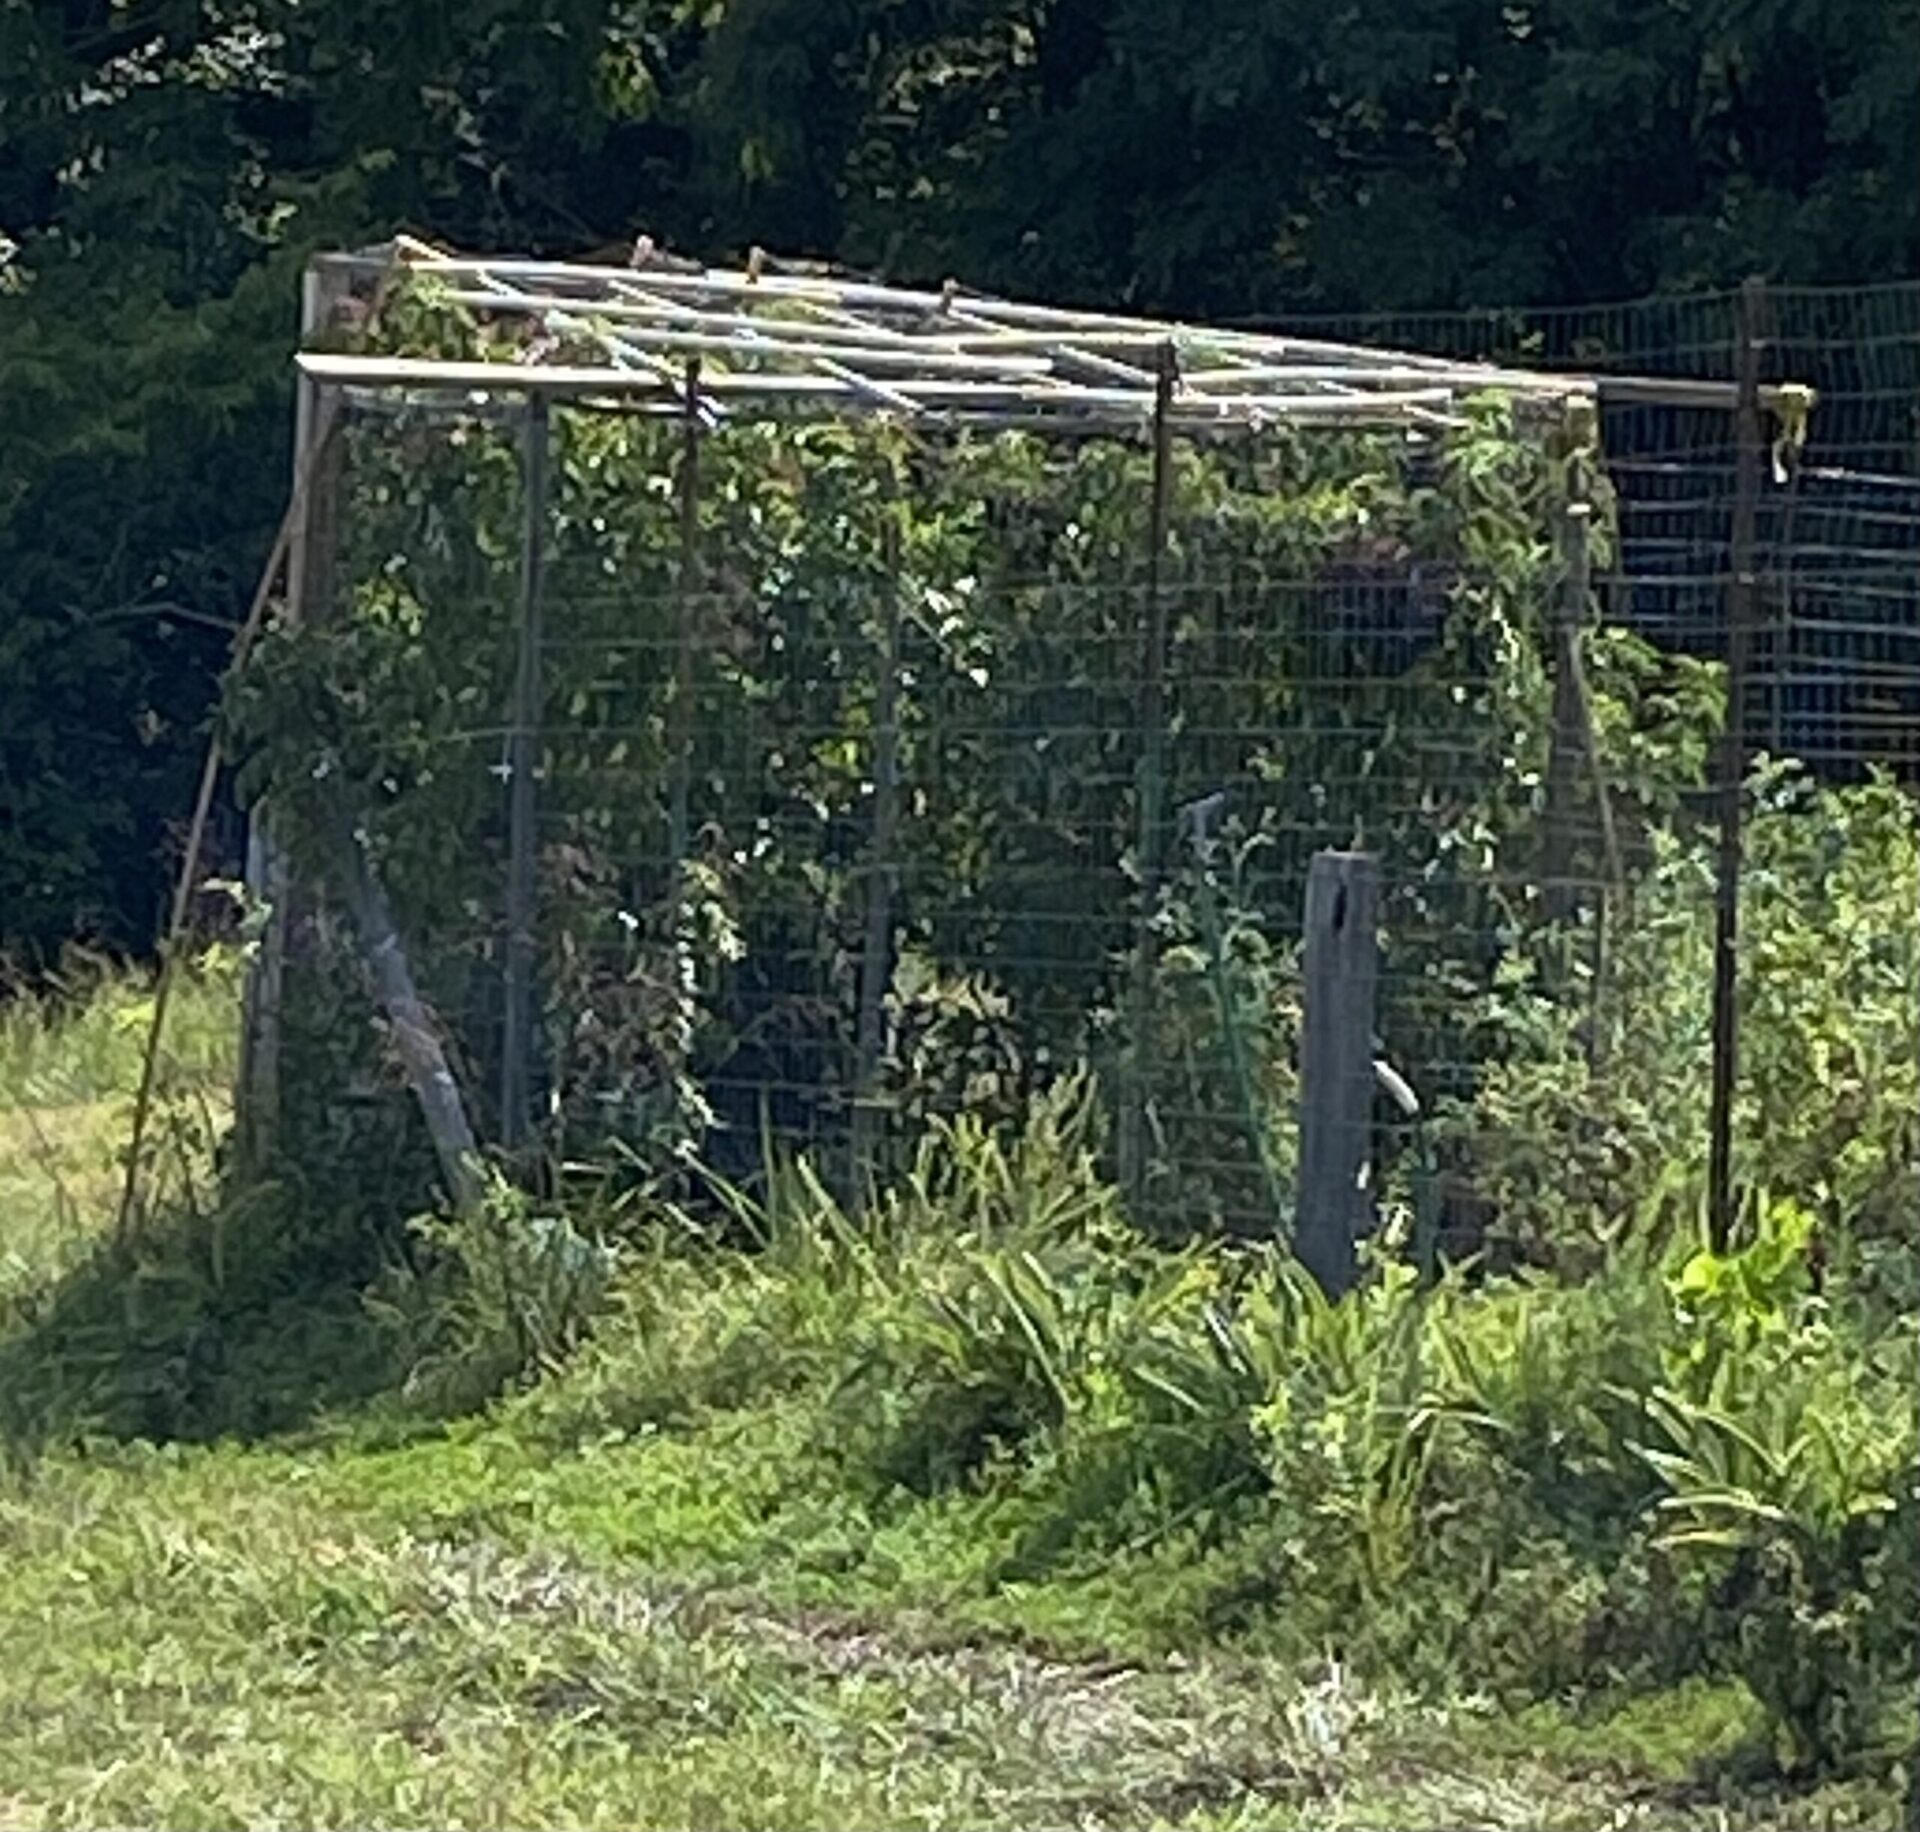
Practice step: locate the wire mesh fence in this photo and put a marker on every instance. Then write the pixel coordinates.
(1836, 679)
(805, 791)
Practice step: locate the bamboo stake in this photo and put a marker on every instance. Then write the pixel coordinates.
(277, 557)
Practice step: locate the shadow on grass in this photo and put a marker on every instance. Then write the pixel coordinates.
(242, 1320)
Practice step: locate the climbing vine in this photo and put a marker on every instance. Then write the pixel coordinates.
(1356, 657)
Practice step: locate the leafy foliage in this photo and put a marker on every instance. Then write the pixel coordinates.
(1787, 1459)
(1241, 150)
(166, 168)
(1591, 1114)
(695, 973)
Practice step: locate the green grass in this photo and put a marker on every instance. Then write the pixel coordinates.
(453, 1634)
(233, 1637)
(69, 1067)
(652, 1587)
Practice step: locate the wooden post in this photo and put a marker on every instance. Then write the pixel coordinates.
(415, 1039)
(516, 1041)
(1741, 595)
(876, 954)
(1150, 786)
(310, 585)
(1342, 967)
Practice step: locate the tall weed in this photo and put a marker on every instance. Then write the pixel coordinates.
(1786, 1464)
(1591, 1111)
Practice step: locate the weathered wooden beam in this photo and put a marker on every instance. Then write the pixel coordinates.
(1337, 1073)
(416, 1038)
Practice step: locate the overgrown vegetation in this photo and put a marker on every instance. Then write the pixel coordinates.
(1346, 607)
(1358, 656)
(684, 1487)
(1534, 1549)
(1551, 1465)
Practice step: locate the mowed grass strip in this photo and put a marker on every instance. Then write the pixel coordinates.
(214, 1638)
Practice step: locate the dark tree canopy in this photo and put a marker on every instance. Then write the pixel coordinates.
(165, 166)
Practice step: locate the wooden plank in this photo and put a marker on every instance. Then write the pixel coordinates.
(415, 1036)
(1337, 1075)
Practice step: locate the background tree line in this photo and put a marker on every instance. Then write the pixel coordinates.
(166, 166)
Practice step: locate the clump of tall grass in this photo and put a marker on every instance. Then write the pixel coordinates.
(1516, 1486)
(70, 1060)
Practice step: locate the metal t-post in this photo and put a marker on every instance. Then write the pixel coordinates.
(1151, 787)
(1741, 596)
(516, 1040)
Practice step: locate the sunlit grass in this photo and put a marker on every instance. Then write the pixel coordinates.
(69, 1067)
(233, 1637)
(663, 1585)
(216, 1640)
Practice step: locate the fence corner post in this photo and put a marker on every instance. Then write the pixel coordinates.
(1341, 977)
(271, 873)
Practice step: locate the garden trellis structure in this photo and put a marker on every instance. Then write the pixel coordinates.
(703, 642)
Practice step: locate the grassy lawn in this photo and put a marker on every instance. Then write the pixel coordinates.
(340, 1610)
(457, 1635)
(66, 1099)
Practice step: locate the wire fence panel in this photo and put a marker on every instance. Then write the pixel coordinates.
(1837, 680)
(1845, 542)
(831, 839)
(861, 785)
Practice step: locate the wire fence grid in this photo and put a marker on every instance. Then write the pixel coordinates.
(820, 865)
(1836, 680)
